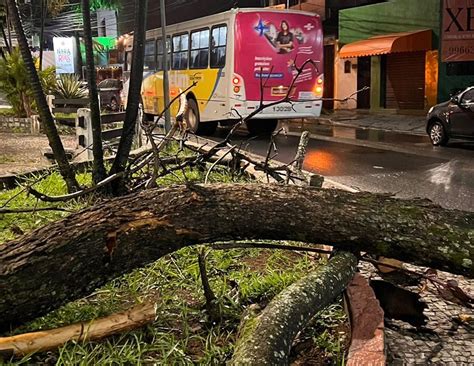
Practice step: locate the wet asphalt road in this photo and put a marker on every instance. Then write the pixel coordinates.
(407, 166)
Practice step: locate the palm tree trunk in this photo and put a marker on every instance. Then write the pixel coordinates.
(98, 168)
(136, 76)
(43, 110)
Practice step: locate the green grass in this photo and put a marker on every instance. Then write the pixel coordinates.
(11, 225)
(181, 333)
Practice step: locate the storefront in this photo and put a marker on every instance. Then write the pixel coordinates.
(391, 48)
(394, 67)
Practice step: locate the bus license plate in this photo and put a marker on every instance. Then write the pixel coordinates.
(282, 108)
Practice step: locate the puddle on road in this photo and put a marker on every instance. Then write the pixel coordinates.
(356, 133)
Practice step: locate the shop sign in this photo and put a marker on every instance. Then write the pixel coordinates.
(457, 36)
(64, 54)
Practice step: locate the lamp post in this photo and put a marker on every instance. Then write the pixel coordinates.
(166, 87)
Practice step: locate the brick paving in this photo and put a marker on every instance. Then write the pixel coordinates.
(445, 340)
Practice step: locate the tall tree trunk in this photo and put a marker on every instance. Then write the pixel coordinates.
(43, 110)
(68, 259)
(43, 18)
(5, 39)
(136, 76)
(98, 168)
(79, 55)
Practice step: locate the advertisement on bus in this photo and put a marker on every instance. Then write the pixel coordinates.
(268, 46)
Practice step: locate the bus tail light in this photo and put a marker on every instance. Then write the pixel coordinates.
(238, 86)
(319, 86)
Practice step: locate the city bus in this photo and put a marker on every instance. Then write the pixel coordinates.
(230, 56)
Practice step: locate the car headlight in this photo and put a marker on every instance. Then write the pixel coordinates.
(430, 110)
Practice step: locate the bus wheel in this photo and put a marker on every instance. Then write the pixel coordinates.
(258, 127)
(194, 123)
(191, 116)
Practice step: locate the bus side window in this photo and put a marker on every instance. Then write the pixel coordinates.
(150, 60)
(159, 52)
(180, 51)
(199, 49)
(218, 46)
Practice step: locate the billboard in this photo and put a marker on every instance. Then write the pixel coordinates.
(457, 34)
(64, 54)
(266, 47)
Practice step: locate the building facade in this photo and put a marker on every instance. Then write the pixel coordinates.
(395, 49)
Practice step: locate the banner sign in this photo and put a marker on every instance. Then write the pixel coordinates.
(64, 54)
(457, 34)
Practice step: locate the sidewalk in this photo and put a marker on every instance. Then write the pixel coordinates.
(412, 124)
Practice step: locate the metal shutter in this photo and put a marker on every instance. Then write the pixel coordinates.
(406, 80)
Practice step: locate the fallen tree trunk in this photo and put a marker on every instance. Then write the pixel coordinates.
(68, 259)
(24, 344)
(267, 338)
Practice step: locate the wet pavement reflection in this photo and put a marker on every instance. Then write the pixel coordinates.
(357, 133)
(405, 165)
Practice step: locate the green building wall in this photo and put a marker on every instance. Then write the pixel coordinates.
(395, 16)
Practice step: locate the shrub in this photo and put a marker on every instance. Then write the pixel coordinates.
(15, 83)
(68, 86)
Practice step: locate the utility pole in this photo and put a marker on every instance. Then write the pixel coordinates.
(166, 86)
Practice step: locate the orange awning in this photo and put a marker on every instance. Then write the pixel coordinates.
(389, 43)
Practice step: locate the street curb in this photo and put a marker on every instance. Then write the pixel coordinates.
(330, 122)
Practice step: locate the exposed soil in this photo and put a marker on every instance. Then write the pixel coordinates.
(20, 153)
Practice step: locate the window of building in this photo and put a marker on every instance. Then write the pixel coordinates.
(460, 68)
(218, 46)
(199, 49)
(150, 57)
(180, 51)
(347, 67)
(159, 51)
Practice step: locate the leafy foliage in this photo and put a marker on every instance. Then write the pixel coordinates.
(15, 84)
(68, 86)
(56, 6)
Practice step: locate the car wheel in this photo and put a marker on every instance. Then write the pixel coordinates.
(114, 106)
(438, 134)
(261, 126)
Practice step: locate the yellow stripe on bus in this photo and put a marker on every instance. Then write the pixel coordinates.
(152, 88)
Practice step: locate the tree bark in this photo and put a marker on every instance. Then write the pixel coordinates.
(70, 258)
(43, 110)
(98, 168)
(267, 338)
(133, 100)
